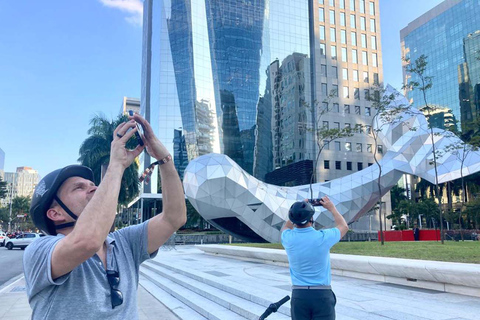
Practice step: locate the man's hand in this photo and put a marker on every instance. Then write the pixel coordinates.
(155, 148)
(327, 204)
(339, 220)
(118, 153)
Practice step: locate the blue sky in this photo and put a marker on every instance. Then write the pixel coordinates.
(63, 61)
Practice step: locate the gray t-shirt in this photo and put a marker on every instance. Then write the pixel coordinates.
(84, 293)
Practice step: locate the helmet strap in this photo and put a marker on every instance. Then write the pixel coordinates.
(70, 213)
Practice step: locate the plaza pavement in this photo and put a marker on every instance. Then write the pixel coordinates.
(193, 285)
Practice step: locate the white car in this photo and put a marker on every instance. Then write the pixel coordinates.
(22, 241)
(3, 238)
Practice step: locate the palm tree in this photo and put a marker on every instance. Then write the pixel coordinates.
(95, 154)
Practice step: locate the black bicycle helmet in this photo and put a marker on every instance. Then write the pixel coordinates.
(301, 212)
(46, 191)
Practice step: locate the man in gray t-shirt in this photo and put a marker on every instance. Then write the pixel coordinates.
(80, 271)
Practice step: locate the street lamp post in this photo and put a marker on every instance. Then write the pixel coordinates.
(11, 201)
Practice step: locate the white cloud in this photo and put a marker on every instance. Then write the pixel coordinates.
(133, 7)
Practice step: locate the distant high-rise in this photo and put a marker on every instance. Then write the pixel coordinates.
(23, 182)
(2, 162)
(469, 79)
(130, 104)
(442, 34)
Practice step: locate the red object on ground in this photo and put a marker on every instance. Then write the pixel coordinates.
(407, 235)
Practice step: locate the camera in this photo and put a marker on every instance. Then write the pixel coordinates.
(137, 134)
(315, 202)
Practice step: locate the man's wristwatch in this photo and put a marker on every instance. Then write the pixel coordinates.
(165, 160)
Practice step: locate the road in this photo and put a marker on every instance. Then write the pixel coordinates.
(10, 264)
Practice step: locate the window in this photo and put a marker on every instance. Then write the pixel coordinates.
(323, 70)
(365, 76)
(359, 147)
(325, 125)
(325, 144)
(326, 164)
(322, 32)
(363, 24)
(372, 25)
(335, 72)
(364, 58)
(355, 75)
(362, 6)
(343, 22)
(345, 92)
(321, 15)
(332, 3)
(344, 55)
(369, 148)
(343, 36)
(332, 17)
(333, 52)
(348, 146)
(337, 146)
(374, 60)
(321, 2)
(338, 165)
(335, 90)
(352, 21)
(342, 4)
(359, 166)
(380, 149)
(324, 106)
(336, 125)
(372, 8)
(375, 78)
(366, 92)
(363, 38)
(333, 38)
(346, 109)
(347, 125)
(352, 5)
(349, 165)
(323, 50)
(368, 111)
(324, 89)
(354, 56)
(370, 164)
(373, 42)
(357, 109)
(356, 93)
(336, 108)
(345, 74)
(353, 37)
(368, 129)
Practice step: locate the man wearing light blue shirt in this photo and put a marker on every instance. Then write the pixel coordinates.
(308, 252)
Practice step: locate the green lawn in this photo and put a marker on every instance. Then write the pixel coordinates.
(467, 252)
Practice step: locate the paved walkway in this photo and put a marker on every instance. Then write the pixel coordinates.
(14, 304)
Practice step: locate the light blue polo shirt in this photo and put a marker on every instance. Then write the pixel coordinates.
(308, 252)
(84, 293)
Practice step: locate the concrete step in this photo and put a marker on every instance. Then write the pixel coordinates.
(180, 309)
(246, 290)
(244, 308)
(201, 305)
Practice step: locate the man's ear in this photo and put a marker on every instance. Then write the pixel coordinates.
(54, 215)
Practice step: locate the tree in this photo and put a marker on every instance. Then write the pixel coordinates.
(323, 134)
(3, 188)
(424, 83)
(95, 154)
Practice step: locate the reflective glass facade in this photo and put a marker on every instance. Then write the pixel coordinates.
(440, 34)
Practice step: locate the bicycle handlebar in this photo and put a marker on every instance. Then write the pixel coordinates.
(273, 308)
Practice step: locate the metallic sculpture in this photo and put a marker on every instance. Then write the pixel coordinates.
(236, 202)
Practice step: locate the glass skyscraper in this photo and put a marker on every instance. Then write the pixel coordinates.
(444, 35)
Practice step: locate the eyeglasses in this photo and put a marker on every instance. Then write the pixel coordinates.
(116, 295)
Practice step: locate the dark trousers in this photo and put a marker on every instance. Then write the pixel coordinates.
(311, 304)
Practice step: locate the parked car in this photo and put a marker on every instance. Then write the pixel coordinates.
(22, 241)
(3, 237)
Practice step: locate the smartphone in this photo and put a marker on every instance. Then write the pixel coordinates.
(137, 133)
(315, 202)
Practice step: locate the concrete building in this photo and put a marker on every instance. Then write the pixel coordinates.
(130, 104)
(23, 182)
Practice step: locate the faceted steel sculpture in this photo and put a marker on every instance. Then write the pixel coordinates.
(236, 202)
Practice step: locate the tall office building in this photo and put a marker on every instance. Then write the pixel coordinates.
(469, 79)
(2, 163)
(443, 35)
(250, 78)
(130, 104)
(23, 182)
